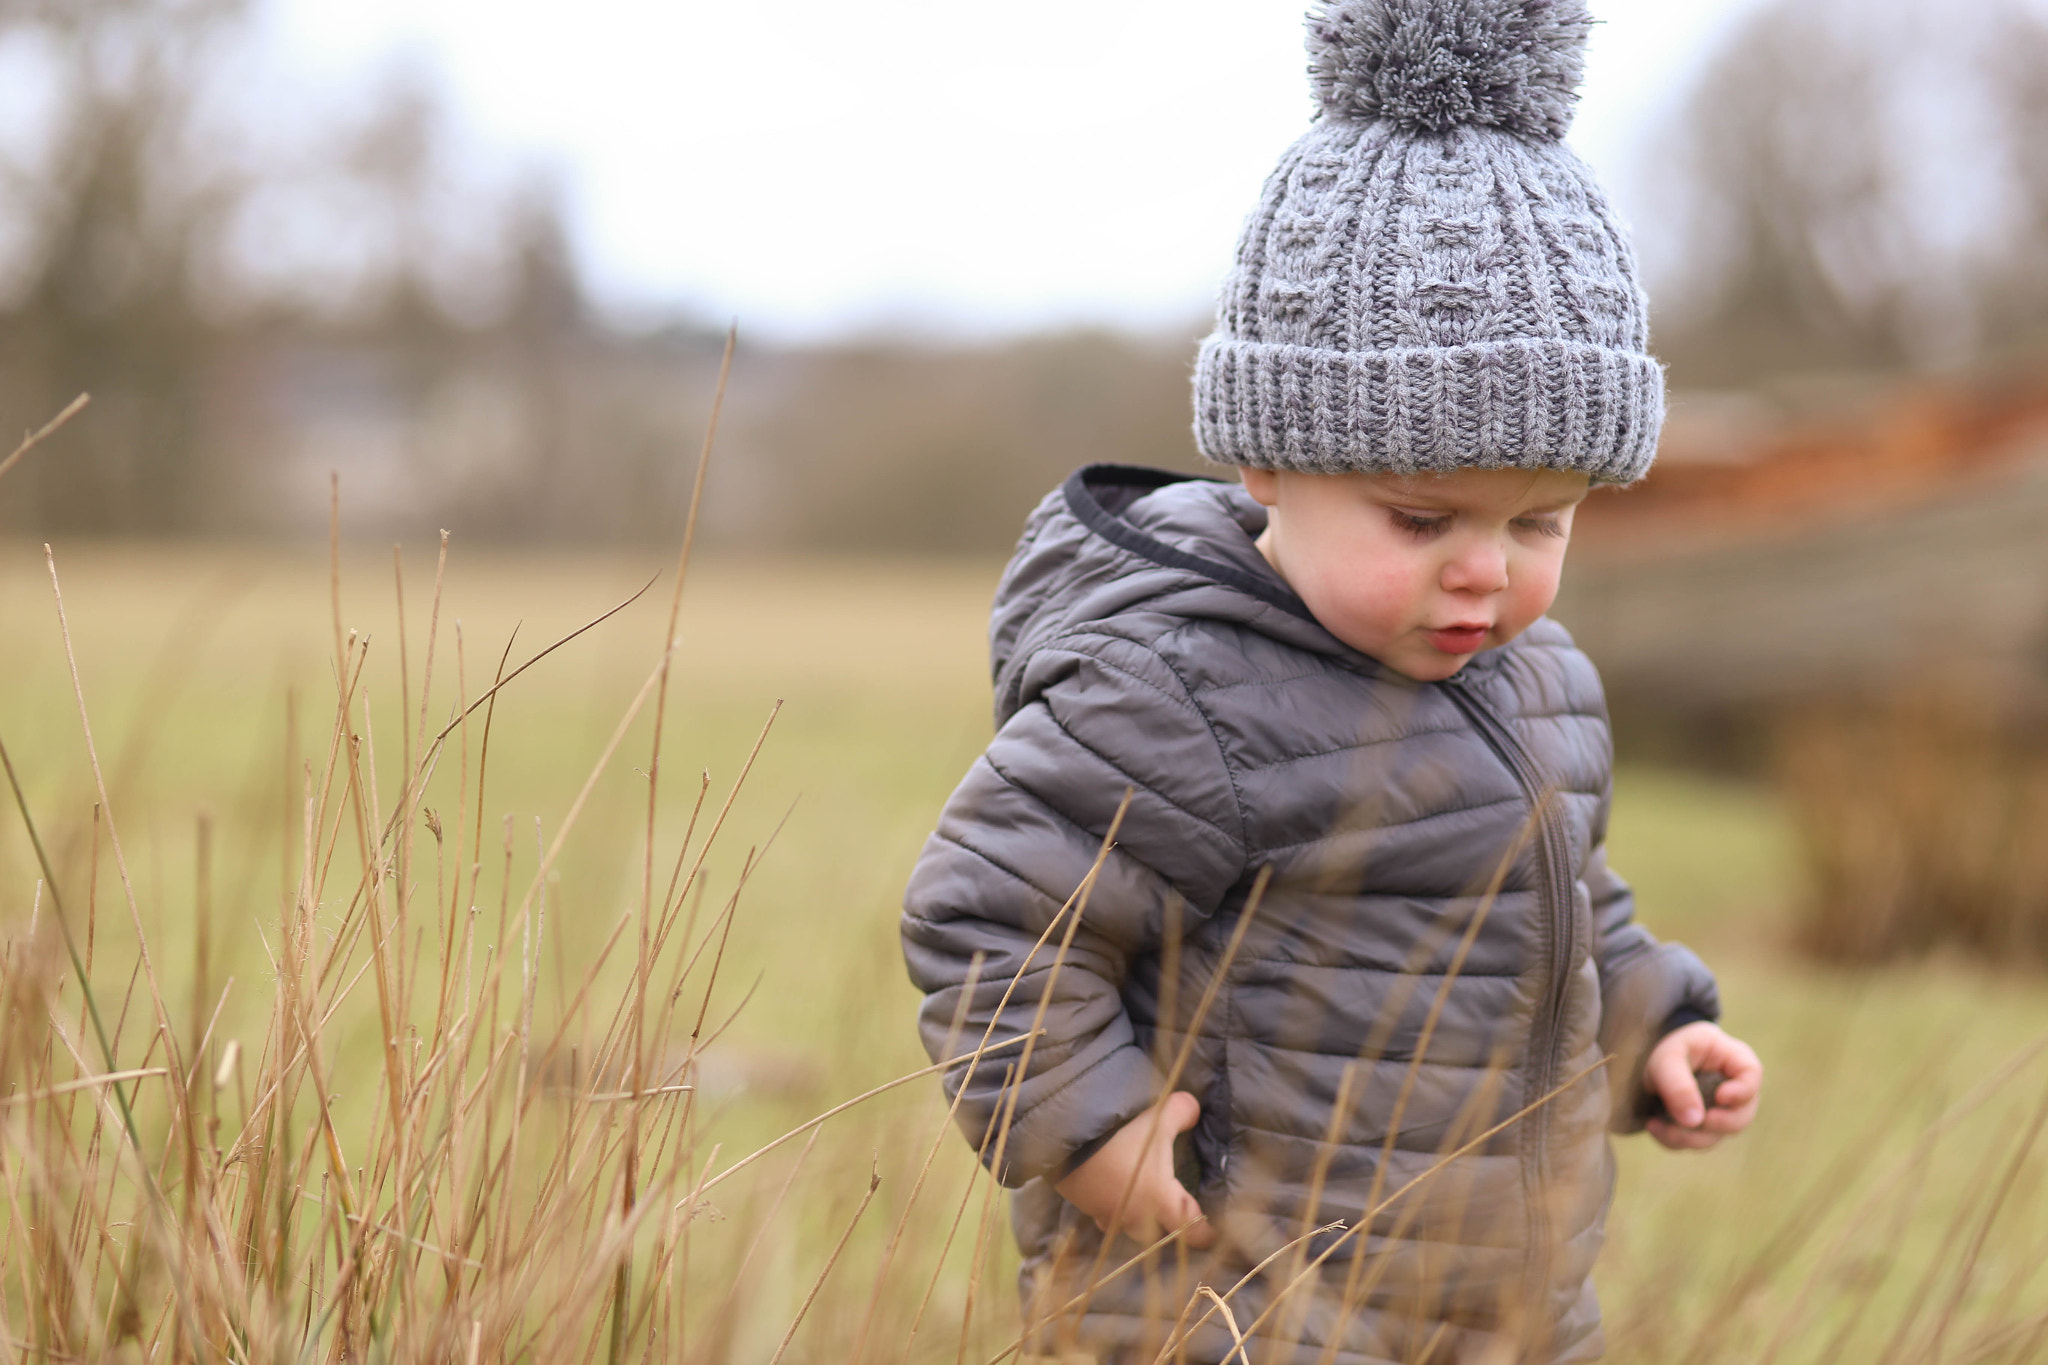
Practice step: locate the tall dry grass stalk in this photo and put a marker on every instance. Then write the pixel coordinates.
(513, 1188)
(1922, 820)
(406, 1155)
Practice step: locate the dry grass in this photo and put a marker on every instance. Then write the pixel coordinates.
(1921, 818)
(402, 1146)
(308, 1051)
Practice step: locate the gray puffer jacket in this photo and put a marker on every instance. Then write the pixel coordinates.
(1441, 945)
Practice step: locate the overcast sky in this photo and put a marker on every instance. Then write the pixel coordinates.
(817, 166)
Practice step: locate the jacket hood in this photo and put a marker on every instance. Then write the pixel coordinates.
(1114, 540)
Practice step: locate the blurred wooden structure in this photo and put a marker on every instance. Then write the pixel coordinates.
(1901, 541)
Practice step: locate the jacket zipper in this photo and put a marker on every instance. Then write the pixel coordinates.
(1549, 1025)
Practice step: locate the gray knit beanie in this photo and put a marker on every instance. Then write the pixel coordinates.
(1431, 279)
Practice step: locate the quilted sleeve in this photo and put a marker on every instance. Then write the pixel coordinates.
(1104, 716)
(1644, 986)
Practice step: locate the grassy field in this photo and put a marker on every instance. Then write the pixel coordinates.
(1888, 1199)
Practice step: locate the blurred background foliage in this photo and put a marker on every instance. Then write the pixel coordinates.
(1855, 185)
(1852, 196)
(1822, 621)
(1844, 223)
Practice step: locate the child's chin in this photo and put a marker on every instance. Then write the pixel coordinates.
(1429, 668)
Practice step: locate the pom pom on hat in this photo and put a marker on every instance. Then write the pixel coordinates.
(1432, 279)
(1432, 65)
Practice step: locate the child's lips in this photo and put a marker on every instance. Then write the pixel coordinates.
(1458, 639)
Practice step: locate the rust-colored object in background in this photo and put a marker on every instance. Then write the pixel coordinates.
(1904, 539)
(1897, 449)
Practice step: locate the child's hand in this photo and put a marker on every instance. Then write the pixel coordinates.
(1669, 1073)
(1157, 1202)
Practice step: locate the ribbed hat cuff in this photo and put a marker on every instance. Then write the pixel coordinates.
(1523, 404)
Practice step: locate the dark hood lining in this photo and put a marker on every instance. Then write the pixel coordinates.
(1098, 494)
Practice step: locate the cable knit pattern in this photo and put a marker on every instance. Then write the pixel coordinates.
(1414, 293)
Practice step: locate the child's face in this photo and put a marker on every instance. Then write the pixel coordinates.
(1420, 571)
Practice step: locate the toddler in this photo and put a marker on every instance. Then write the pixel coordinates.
(1336, 1026)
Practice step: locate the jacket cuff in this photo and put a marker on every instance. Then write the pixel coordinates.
(1081, 1154)
(1065, 1128)
(1683, 1015)
(1667, 988)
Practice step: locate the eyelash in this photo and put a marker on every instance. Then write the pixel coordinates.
(1423, 528)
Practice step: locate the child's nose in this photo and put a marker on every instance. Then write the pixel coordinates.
(1478, 566)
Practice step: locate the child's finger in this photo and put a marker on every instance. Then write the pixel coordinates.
(1727, 1122)
(1735, 1095)
(1199, 1234)
(1146, 1216)
(1670, 1076)
(1736, 1092)
(1737, 1061)
(1179, 1112)
(1735, 1100)
(1732, 1109)
(1682, 1139)
(1165, 1208)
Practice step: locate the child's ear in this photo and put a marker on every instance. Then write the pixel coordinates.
(1262, 484)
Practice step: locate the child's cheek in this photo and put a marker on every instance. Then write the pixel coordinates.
(1533, 589)
(1379, 602)
(1398, 588)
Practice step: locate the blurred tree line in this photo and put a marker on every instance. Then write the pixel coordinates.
(1850, 187)
(1855, 186)
(249, 293)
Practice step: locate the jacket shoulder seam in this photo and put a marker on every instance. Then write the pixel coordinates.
(1073, 641)
(1122, 772)
(1222, 754)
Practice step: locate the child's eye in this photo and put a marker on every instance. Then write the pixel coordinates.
(1421, 527)
(1542, 526)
